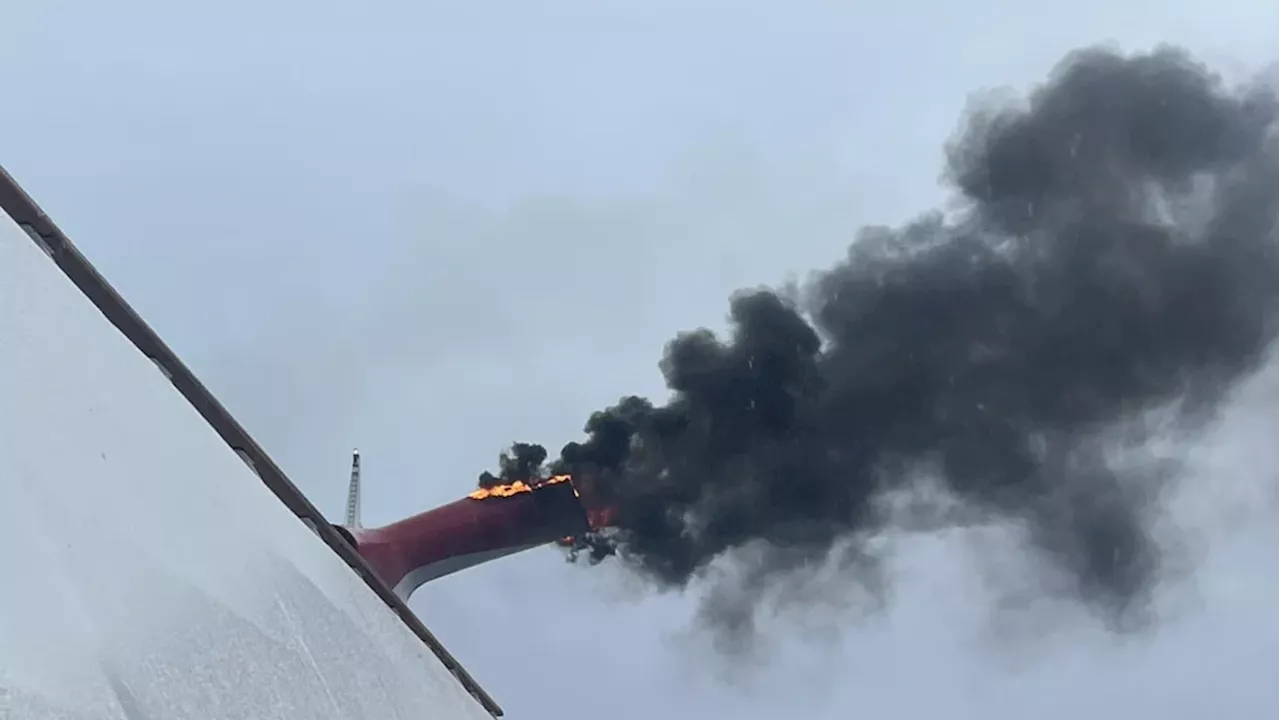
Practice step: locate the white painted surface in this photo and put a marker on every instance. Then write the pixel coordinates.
(417, 577)
(145, 572)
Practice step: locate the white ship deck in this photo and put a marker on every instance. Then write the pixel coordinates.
(155, 566)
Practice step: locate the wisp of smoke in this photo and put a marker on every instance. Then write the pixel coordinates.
(1115, 251)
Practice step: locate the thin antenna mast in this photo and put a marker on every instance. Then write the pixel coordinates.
(353, 491)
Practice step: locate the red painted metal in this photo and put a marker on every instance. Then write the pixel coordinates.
(467, 532)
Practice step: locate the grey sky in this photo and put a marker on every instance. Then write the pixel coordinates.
(427, 231)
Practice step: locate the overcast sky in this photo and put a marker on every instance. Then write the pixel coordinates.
(430, 231)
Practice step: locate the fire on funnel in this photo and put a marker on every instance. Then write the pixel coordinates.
(520, 486)
(598, 516)
(485, 525)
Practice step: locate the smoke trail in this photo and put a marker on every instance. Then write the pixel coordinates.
(1116, 251)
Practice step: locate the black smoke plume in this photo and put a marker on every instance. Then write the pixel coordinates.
(1115, 251)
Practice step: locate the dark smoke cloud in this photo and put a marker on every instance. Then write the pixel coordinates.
(1115, 251)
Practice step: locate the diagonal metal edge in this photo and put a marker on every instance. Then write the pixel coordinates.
(28, 215)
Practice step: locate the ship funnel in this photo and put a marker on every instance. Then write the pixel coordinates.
(484, 526)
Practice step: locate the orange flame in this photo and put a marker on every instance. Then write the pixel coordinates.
(597, 517)
(518, 487)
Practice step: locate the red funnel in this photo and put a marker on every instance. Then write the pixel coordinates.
(468, 532)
